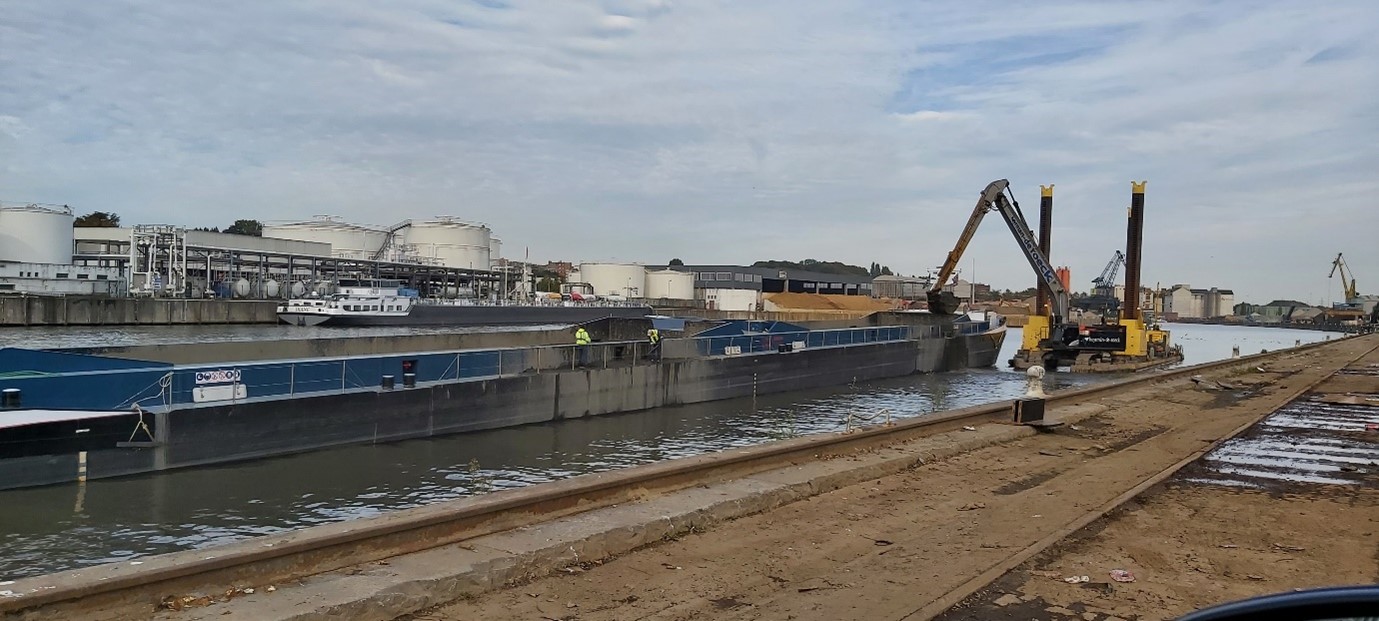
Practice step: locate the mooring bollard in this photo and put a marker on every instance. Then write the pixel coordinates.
(1034, 387)
(1029, 410)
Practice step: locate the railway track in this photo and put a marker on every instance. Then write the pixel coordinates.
(117, 590)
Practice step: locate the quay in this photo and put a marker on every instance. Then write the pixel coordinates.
(889, 522)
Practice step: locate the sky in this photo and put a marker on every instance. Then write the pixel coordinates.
(725, 132)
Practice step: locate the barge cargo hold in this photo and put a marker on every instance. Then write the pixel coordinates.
(72, 417)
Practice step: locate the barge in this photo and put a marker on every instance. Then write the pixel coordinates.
(380, 302)
(70, 417)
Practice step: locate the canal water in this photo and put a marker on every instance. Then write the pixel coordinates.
(69, 526)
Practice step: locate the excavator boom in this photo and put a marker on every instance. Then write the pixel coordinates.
(994, 198)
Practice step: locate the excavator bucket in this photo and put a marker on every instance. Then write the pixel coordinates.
(943, 302)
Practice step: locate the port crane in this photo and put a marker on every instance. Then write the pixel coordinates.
(1347, 278)
(1066, 340)
(1103, 298)
(1107, 279)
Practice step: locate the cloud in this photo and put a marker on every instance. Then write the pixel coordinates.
(722, 132)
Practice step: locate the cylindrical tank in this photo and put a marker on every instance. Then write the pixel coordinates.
(624, 279)
(242, 288)
(35, 233)
(298, 289)
(270, 288)
(670, 285)
(354, 241)
(452, 242)
(495, 251)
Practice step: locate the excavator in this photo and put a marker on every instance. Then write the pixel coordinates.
(1067, 342)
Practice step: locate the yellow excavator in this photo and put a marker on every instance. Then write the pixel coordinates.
(1065, 341)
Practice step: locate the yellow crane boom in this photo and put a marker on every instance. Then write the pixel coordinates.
(1347, 277)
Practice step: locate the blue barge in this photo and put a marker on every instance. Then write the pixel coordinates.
(72, 416)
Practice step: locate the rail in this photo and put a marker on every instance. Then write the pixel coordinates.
(277, 558)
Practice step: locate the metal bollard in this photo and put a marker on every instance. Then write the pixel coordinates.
(409, 380)
(387, 382)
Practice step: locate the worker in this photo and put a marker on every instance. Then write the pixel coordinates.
(654, 336)
(582, 345)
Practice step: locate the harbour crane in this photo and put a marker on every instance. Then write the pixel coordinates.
(1347, 277)
(1107, 279)
(1065, 340)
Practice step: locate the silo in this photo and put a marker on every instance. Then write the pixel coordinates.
(670, 285)
(350, 241)
(453, 242)
(495, 250)
(622, 279)
(36, 233)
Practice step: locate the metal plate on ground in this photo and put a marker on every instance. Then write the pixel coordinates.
(1308, 442)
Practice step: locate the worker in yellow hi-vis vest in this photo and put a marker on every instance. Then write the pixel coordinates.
(582, 342)
(654, 336)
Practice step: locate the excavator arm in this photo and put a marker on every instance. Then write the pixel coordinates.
(993, 198)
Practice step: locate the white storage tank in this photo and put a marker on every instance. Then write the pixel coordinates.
(35, 233)
(347, 241)
(453, 242)
(670, 285)
(495, 251)
(622, 279)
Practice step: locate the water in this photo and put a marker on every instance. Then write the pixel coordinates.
(69, 526)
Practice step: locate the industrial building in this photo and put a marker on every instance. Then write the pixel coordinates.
(36, 243)
(1182, 301)
(41, 253)
(901, 287)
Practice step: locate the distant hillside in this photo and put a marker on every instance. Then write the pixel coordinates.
(812, 265)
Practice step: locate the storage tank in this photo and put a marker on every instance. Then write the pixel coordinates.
(453, 242)
(624, 279)
(350, 241)
(670, 285)
(35, 233)
(495, 251)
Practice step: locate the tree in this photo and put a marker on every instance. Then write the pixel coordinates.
(549, 284)
(886, 270)
(875, 269)
(98, 219)
(246, 227)
(677, 262)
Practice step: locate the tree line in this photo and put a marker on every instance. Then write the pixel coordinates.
(106, 219)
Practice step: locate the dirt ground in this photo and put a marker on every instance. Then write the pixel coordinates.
(888, 548)
(1191, 545)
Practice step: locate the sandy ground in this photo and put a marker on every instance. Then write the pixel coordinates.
(1191, 545)
(886, 549)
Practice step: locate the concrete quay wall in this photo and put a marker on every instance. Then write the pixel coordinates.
(104, 311)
